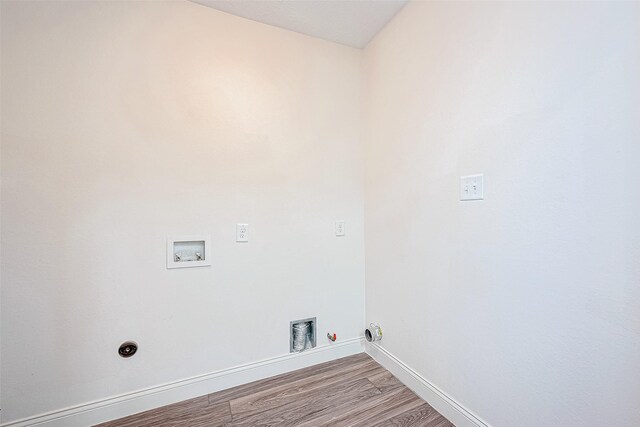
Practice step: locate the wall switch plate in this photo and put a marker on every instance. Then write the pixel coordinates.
(242, 232)
(339, 227)
(472, 187)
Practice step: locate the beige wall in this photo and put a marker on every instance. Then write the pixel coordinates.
(525, 308)
(126, 122)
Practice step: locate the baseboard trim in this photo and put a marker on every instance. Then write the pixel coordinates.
(443, 403)
(142, 400)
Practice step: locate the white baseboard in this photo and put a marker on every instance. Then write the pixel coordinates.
(131, 403)
(441, 402)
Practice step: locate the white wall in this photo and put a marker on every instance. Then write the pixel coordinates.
(525, 307)
(126, 122)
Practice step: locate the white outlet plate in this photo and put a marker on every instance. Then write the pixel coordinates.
(242, 232)
(339, 227)
(472, 187)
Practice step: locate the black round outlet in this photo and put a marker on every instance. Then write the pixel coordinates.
(128, 349)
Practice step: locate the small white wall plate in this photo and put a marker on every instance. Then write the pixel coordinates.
(188, 251)
(472, 187)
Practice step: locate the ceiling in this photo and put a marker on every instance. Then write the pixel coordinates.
(349, 22)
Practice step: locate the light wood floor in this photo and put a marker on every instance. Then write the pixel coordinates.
(353, 391)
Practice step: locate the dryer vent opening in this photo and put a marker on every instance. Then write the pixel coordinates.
(302, 335)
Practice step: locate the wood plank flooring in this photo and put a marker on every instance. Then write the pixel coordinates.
(351, 392)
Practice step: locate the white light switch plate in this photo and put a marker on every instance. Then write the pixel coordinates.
(242, 232)
(472, 187)
(340, 227)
